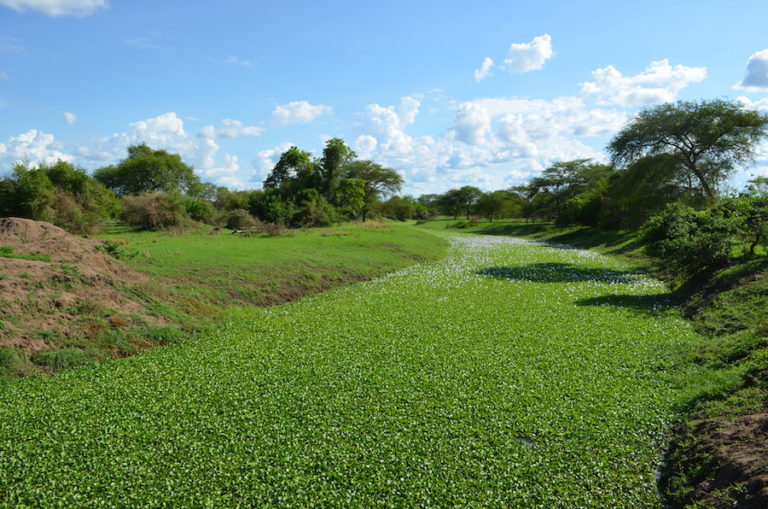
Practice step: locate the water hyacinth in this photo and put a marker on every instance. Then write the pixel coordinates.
(510, 373)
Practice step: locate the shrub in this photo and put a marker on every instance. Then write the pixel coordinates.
(240, 219)
(692, 240)
(153, 211)
(200, 210)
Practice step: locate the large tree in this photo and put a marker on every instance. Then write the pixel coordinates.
(708, 139)
(378, 181)
(148, 170)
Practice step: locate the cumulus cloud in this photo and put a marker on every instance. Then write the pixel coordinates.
(756, 79)
(529, 56)
(69, 118)
(33, 147)
(387, 125)
(57, 7)
(485, 69)
(493, 142)
(760, 104)
(299, 112)
(660, 82)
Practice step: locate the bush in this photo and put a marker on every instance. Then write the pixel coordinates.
(200, 210)
(240, 219)
(692, 240)
(153, 211)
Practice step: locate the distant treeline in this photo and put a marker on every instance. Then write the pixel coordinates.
(667, 169)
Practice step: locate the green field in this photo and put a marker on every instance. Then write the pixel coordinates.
(203, 273)
(506, 374)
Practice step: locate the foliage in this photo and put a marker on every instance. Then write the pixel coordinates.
(60, 193)
(378, 182)
(154, 211)
(240, 219)
(146, 170)
(692, 240)
(707, 139)
(200, 209)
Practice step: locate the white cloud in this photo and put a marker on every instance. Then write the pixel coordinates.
(529, 56)
(299, 112)
(760, 104)
(231, 129)
(387, 125)
(493, 142)
(4, 76)
(69, 118)
(57, 7)
(33, 147)
(756, 79)
(658, 83)
(485, 69)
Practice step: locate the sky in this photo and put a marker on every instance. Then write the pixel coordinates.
(448, 93)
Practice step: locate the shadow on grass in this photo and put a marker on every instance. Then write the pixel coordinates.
(557, 273)
(645, 304)
(611, 241)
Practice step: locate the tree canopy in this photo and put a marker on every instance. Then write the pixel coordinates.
(147, 170)
(708, 139)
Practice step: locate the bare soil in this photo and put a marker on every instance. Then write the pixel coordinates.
(727, 461)
(71, 300)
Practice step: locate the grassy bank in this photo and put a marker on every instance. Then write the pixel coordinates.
(60, 315)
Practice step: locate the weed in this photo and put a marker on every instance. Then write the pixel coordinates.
(61, 359)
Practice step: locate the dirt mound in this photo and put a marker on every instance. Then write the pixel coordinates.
(61, 291)
(28, 237)
(726, 463)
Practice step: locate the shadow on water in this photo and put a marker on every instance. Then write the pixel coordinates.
(557, 273)
(645, 304)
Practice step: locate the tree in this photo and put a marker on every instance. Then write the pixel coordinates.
(563, 181)
(147, 170)
(499, 204)
(336, 155)
(708, 139)
(377, 180)
(467, 196)
(294, 167)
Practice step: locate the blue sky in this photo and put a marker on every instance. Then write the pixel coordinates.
(448, 93)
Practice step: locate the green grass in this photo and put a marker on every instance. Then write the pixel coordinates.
(7, 252)
(504, 375)
(204, 273)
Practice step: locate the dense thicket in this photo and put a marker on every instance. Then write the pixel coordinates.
(60, 193)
